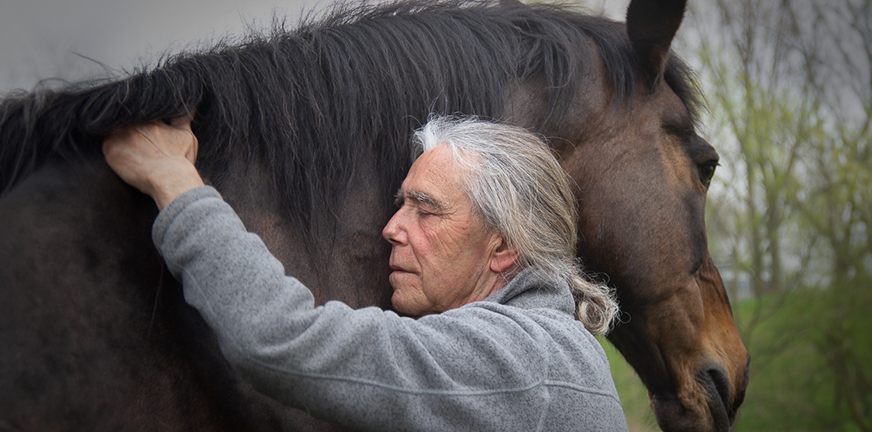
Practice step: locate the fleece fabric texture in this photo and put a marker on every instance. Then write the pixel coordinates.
(516, 361)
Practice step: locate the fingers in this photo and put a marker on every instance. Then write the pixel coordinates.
(150, 139)
(184, 124)
(145, 147)
(156, 157)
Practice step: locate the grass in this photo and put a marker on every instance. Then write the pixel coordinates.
(634, 397)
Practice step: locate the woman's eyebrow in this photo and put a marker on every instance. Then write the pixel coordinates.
(421, 197)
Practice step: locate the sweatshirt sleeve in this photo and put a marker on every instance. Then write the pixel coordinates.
(266, 323)
(366, 368)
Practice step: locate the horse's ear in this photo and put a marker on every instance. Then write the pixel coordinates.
(651, 25)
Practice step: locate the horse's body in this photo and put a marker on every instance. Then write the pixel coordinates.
(306, 136)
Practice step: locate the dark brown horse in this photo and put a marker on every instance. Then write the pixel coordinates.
(305, 133)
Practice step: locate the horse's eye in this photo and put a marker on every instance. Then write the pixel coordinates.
(706, 172)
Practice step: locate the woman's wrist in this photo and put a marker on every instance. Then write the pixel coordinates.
(172, 183)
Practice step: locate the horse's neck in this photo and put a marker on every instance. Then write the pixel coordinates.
(342, 255)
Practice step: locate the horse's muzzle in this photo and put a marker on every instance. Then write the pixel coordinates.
(712, 411)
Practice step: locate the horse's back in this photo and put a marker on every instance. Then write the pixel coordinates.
(95, 332)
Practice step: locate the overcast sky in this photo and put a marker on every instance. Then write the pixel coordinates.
(42, 39)
(46, 38)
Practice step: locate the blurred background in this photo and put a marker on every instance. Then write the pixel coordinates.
(789, 95)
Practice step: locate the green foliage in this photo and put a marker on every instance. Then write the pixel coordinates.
(634, 396)
(794, 382)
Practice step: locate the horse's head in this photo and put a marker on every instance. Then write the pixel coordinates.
(642, 175)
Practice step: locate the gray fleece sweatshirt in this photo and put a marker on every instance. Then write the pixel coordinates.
(516, 361)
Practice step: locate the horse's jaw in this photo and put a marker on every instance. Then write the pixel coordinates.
(696, 374)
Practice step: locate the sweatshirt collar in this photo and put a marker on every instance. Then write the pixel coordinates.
(527, 291)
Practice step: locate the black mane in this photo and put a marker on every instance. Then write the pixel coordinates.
(301, 103)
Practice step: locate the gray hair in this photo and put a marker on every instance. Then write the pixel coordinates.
(521, 191)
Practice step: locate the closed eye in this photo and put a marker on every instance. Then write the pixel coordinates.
(424, 204)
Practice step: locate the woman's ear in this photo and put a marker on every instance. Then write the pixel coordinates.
(503, 257)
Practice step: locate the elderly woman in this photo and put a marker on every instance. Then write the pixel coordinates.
(483, 268)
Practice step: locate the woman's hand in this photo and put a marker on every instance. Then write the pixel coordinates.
(156, 158)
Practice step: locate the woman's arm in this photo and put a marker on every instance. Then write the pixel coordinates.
(366, 368)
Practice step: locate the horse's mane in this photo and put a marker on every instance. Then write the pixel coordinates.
(302, 103)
